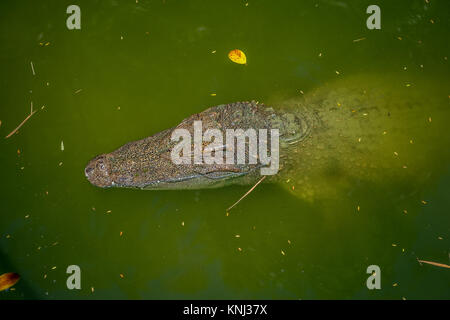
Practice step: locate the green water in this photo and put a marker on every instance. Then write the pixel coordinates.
(137, 68)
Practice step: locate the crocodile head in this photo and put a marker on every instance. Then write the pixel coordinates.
(167, 159)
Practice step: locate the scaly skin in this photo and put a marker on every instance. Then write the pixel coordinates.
(147, 163)
(359, 128)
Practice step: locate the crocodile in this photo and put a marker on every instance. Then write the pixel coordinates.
(374, 128)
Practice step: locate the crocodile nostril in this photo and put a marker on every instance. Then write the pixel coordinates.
(87, 171)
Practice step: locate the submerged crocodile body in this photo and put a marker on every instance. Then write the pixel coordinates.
(344, 129)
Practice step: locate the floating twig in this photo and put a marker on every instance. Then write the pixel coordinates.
(256, 184)
(32, 68)
(437, 264)
(22, 123)
(360, 39)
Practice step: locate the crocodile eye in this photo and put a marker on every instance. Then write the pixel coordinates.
(101, 166)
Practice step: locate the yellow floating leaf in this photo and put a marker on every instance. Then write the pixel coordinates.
(237, 56)
(7, 280)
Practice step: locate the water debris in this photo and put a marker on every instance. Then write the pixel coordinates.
(237, 236)
(121, 233)
(395, 284)
(282, 252)
(92, 289)
(121, 276)
(182, 223)
(23, 122)
(7, 280)
(237, 56)
(358, 208)
(0, 123)
(213, 94)
(32, 68)
(436, 264)
(256, 184)
(62, 145)
(337, 72)
(423, 202)
(429, 119)
(108, 211)
(360, 39)
(405, 211)
(214, 51)
(289, 241)
(240, 249)
(78, 91)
